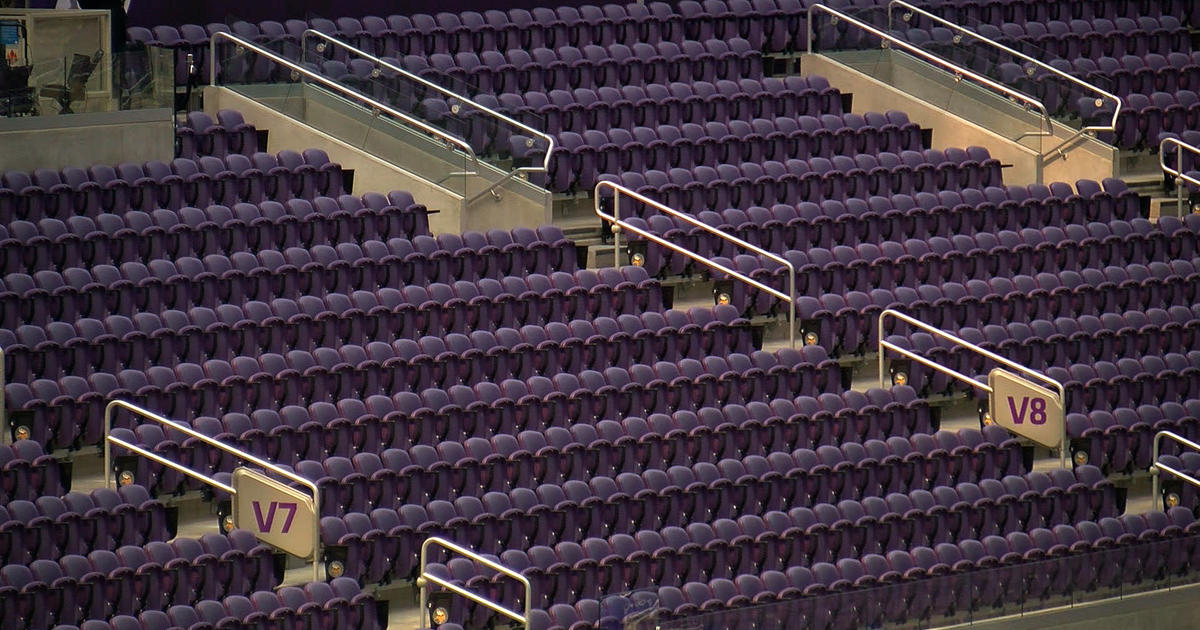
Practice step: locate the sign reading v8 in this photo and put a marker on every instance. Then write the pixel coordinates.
(277, 513)
(1037, 409)
(1025, 408)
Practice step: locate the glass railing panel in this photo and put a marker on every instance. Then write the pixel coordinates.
(81, 76)
(443, 92)
(944, 590)
(1011, 56)
(359, 112)
(861, 39)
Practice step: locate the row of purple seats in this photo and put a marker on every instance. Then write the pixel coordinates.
(926, 585)
(1099, 37)
(1103, 384)
(521, 70)
(847, 323)
(654, 498)
(1143, 119)
(382, 545)
(1019, 347)
(802, 477)
(779, 26)
(780, 481)
(581, 110)
(698, 102)
(1070, 340)
(134, 235)
(520, 28)
(1055, 39)
(188, 281)
(915, 262)
(48, 527)
(852, 222)
(119, 343)
(1022, 11)
(827, 533)
(581, 158)
(201, 333)
(1129, 382)
(339, 604)
(1088, 290)
(1170, 72)
(1122, 439)
(67, 411)
(229, 133)
(133, 579)
(424, 34)
(814, 180)
(28, 472)
(733, 430)
(354, 427)
(340, 318)
(1157, 99)
(103, 189)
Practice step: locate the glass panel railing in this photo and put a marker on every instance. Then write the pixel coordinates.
(1079, 93)
(515, 143)
(84, 78)
(862, 39)
(362, 112)
(946, 589)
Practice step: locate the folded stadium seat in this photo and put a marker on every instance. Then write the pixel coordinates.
(210, 137)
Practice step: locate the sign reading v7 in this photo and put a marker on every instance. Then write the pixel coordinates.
(277, 513)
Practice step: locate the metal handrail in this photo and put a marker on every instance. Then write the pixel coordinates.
(615, 219)
(1155, 467)
(177, 467)
(884, 344)
(445, 91)
(424, 578)
(937, 61)
(1178, 173)
(112, 406)
(337, 87)
(1112, 126)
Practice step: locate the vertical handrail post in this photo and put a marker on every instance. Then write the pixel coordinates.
(1177, 173)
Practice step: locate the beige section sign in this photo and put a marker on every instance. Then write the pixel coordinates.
(277, 513)
(1026, 409)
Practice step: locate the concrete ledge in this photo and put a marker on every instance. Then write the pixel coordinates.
(962, 114)
(87, 138)
(1152, 610)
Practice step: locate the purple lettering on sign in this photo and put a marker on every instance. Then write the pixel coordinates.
(1036, 409)
(264, 525)
(1018, 418)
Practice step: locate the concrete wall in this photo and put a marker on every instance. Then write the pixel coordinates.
(960, 114)
(1153, 610)
(371, 174)
(86, 139)
(387, 156)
